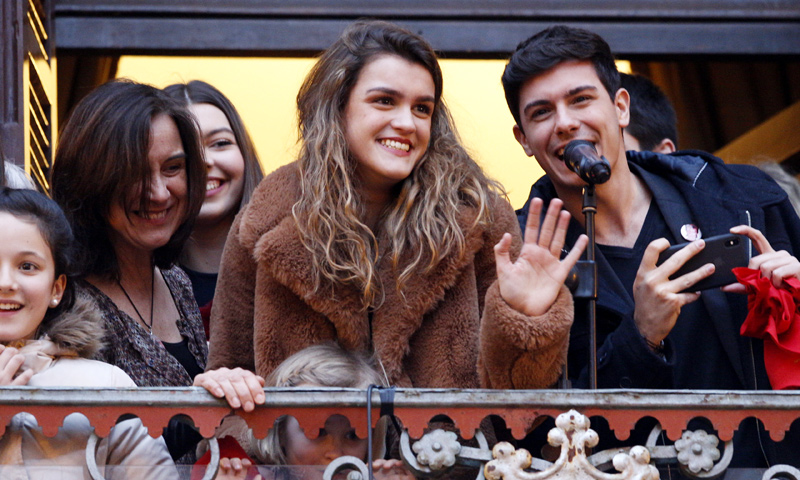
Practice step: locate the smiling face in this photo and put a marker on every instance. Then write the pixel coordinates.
(335, 440)
(148, 230)
(225, 164)
(388, 120)
(28, 283)
(565, 103)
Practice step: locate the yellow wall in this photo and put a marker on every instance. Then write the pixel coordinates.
(264, 90)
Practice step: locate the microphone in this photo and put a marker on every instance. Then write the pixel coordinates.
(581, 157)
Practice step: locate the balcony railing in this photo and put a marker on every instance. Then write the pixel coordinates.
(438, 451)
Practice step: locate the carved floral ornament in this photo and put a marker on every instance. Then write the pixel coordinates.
(695, 453)
(439, 451)
(416, 407)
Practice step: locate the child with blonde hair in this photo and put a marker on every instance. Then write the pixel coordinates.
(323, 365)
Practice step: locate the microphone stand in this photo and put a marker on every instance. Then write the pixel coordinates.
(583, 284)
(581, 157)
(589, 211)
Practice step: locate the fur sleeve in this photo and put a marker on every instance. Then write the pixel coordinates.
(523, 352)
(517, 351)
(503, 220)
(231, 327)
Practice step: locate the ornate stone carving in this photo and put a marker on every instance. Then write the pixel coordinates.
(573, 434)
(697, 451)
(784, 472)
(635, 465)
(356, 468)
(437, 450)
(696, 454)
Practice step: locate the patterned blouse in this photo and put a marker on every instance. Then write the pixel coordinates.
(142, 356)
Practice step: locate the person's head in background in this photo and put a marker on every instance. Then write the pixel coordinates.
(653, 124)
(12, 175)
(782, 177)
(324, 365)
(15, 177)
(233, 167)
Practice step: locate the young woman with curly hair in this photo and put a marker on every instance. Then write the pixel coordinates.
(386, 236)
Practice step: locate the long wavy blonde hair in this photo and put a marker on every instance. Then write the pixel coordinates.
(422, 220)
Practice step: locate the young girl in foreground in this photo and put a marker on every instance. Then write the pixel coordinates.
(325, 365)
(47, 335)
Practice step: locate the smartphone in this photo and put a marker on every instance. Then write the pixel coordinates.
(726, 252)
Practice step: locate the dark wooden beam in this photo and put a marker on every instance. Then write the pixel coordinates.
(455, 27)
(687, 9)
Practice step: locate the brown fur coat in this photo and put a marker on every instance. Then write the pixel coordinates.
(450, 329)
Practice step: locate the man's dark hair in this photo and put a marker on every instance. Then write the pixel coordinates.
(652, 116)
(550, 47)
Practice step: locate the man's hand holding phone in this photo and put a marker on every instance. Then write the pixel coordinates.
(658, 298)
(666, 281)
(726, 252)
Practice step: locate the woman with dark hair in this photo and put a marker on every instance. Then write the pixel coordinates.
(130, 176)
(387, 237)
(233, 173)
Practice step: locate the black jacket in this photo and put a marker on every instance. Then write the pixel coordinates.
(689, 188)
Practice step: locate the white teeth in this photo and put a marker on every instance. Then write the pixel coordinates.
(153, 216)
(396, 145)
(9, 306)
(212, 184)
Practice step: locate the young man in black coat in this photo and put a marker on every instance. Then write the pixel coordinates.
(562, 85)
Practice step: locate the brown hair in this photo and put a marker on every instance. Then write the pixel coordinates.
(197, 91)
(422, 219)
(102, 156)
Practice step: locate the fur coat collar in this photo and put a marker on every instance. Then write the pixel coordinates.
(280, 250)
(428, 335)
(76, 333)
(78, 330)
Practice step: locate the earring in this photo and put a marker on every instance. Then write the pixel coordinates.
(54, 302)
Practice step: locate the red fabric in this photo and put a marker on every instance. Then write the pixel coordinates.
(772, 316)
(228, 448)
(205, 314)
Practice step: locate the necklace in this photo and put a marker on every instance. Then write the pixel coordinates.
(152, 297)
